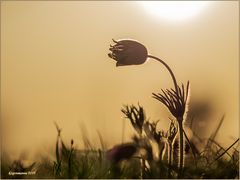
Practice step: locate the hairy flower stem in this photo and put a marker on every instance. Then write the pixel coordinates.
(180, 119)
(168, 68)
(180, 144)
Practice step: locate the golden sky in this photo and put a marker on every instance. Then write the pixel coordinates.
(54, 67)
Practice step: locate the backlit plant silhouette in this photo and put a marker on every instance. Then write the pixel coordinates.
(131, 52)
(136, 117)
(152, 153)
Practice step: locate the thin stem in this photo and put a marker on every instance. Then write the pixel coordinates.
(190, 145)
(170, 154)
(180, 146)
(169, 69)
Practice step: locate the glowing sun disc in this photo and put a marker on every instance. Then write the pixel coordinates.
(174, 10)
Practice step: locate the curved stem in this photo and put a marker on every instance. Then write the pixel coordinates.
(169, 69)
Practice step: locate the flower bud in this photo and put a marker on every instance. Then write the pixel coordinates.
(128, 52)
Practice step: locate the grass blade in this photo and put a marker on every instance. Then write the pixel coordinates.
(224, 152)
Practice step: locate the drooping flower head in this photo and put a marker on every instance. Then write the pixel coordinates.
(128, 52)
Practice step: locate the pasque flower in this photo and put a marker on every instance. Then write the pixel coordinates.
(131, 52)
(128, 52)
(175, 101)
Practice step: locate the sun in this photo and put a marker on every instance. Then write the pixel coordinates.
(174, 10)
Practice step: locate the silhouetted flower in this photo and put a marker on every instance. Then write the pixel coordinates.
(175, 101)
(128, 52)
(136, 116)
(121, 152)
